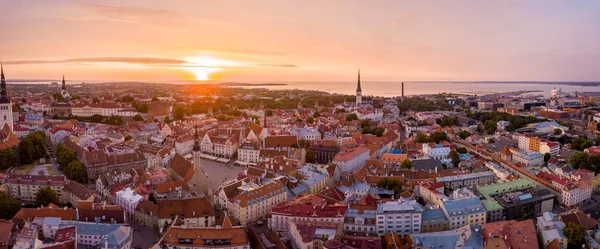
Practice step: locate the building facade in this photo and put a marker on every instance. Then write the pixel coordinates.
(402, 217)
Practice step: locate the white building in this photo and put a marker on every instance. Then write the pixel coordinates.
(547, 127)
(100, 235)
(575, 193)
(128, 200)
(439, 152)
(309, 134)
(549, 147)
(468, 180)
(183, 144)
(500, 172)
(402, 217)
(550, 228)
(528, 158)
(464, 212)
(351, 159)
(249, 153)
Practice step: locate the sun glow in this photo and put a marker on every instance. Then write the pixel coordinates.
(203, 67)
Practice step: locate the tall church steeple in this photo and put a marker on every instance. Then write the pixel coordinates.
(358, 84)
(64, 87)
(358, 90)
(6, 116)
(196, 147)
(3, 92)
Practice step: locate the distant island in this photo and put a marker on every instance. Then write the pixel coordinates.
(251, 84)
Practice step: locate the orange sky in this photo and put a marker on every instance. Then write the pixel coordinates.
(285, 40)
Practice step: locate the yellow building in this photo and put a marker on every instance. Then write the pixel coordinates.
(254, 204)
(25, 187)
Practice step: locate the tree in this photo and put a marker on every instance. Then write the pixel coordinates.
(46, 196)
(96, 118)
(38, 138)
(597, 139)
(455, 157)
(303, 143)
(127, 98)
(448, 121)
(580, 160)
(340, 110)
(167, 120)
(490, 126)
(154, 99)
(128, 137)
(390, 184)
(26, 151)
(351, 117)
(8, 157)
(557, 132)
(310, 120)
(95, 100)
(365, 123)
(58, 97)
(316, 114)
(138, 117)
(480, 129)
(379, 131)
(422, 138)
(438, 136)
(581, 143)
(8, 206)
(311, 156)
(179, 112)
(547, 157)
(594, 163)
(575, 234)
(464, 134)
(269, 113)
(143, 108)
(64, 155)
(462, 150)
(406, 164)
(76, 171)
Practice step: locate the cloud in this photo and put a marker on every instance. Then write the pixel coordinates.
(131, 14)
(277, 65)
(132, 60)
(149, 61)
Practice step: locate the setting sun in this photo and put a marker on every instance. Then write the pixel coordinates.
(204, 66)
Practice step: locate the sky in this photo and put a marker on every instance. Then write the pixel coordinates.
(309, 40)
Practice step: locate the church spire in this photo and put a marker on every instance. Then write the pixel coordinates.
(64, 87)
(3, 92)
(358, 85)
(196, 144)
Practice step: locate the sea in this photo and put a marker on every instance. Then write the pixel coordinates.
(394, 88)
(391, 89)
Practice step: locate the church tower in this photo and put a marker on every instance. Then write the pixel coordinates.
(196, 149)
(199, 182)
(65, 94)
(358, 91)
(6, 117)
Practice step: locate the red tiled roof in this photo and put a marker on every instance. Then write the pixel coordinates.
(310, 206)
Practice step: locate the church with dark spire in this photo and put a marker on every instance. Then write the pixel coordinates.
(358, 91)
(6, 115)
(199, 182)
(63, 90)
